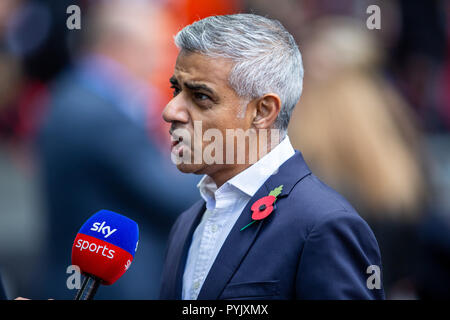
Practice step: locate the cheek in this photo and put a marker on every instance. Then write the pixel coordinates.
(235, 120)
(221, 117)
(221, 124)
(234, 115)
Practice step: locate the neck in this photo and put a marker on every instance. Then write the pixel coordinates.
(222, 176)
(227, 171)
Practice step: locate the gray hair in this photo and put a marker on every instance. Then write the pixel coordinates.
(266, 56)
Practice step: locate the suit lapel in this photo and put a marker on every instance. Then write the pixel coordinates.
(233, 251)
(181, 247)
(239, 242)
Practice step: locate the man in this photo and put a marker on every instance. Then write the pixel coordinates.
(244, 73)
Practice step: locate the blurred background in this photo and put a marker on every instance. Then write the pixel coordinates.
(80, 130)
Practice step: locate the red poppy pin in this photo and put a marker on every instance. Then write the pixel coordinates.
(264, 206)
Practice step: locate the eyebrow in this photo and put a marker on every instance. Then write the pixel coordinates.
(192, 85)
(198, 86)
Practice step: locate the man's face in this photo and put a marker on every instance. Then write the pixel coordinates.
(202, 93)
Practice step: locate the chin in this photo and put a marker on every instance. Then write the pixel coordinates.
(190, 168)
(185, 168)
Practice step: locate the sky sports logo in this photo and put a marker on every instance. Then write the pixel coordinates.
(101, 228)
(104, 230)
(93, 247)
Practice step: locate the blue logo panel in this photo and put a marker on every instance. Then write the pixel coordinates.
(113, 228)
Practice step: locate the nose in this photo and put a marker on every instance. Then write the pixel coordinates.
(176, 111)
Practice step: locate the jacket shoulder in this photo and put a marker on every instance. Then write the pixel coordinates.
(312, 202)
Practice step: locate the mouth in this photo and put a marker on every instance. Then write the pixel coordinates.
(176, 146)
(175, 142)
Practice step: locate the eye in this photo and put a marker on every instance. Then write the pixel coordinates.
(201, 96)
(176, 90)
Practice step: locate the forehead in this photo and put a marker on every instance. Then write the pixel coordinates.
(197, 67)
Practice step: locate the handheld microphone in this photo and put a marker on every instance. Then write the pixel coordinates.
(103, 250)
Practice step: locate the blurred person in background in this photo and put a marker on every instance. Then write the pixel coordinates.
(359, 135)
(96, 153)
(24, 36)
(418, 58)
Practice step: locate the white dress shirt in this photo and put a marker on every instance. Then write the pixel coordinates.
(223, 207)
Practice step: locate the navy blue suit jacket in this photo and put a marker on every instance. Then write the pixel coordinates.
(313, 246)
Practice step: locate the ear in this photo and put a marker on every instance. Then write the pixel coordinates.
(267, 109)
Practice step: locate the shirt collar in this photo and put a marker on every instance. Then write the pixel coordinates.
(208, 188)
(252, 178)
